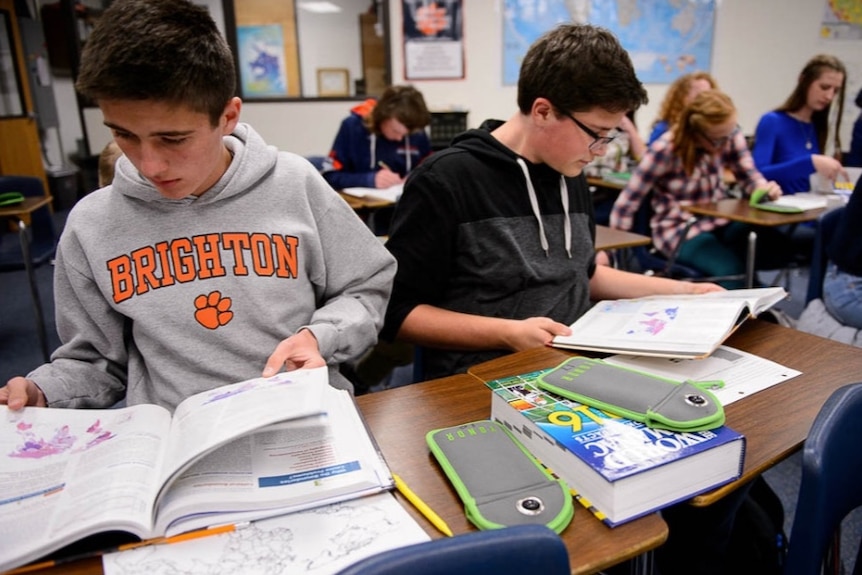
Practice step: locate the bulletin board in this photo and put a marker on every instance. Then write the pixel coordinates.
(267, 49)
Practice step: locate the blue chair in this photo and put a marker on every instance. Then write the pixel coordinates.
(509, 551)
(31, 246)
(831, 483)
(826, 224)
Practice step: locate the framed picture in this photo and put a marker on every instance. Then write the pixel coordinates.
(333, 82)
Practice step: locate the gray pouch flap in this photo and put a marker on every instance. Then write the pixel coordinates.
(498, 480)
(654, 400)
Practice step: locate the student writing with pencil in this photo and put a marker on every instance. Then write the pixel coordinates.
(381, 141)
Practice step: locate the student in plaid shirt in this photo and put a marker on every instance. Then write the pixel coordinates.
(685, 166)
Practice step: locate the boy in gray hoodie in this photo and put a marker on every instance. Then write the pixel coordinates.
(212, 257)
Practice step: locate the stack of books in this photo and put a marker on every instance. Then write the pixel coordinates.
(618, 468)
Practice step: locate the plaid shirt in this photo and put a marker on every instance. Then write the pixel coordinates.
(661, 171)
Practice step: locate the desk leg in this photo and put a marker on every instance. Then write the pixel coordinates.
(24, 238)
(749, 260)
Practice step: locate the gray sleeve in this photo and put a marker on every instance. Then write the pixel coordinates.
(89, 368)
(354, 284)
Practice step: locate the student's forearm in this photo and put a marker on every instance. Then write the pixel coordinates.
(611, 283)
(444, 329)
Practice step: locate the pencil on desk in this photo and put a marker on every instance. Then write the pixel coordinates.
(197, 534)
(421, 506)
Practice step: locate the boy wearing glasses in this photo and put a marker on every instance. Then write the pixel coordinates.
(495, 236)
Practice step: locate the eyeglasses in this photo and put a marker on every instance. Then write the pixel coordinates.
(598, 141)
(720, 142)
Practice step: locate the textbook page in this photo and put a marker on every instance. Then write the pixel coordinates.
(392, 193)
(743, 373)
(285, 467)
(687, 325)
(68, 473)
(214, 417)
(319, 541)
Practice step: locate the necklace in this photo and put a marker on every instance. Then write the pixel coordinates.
(806, 133)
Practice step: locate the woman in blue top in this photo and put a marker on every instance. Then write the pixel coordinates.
(842, 287)
(789, 141)
(380, 141)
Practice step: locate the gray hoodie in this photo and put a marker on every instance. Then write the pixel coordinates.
(158, 299)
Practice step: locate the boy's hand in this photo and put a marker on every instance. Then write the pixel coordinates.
(19, 392)
(298, 351)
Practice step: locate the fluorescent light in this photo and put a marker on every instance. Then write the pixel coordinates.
(319, 7)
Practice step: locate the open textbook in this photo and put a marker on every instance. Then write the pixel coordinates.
(392, 193)
(241, 452)
(691, 325)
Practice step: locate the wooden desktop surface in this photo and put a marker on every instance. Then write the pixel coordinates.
(23, 210)
(739, 210)
(613, 239)
(399, 418)
(366, 202)
(774, 421)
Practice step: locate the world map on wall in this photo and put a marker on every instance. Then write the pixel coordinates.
(842, 20)
(665, 38)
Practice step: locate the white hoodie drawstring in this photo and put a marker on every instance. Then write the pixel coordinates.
(534, 203)
(373, 151)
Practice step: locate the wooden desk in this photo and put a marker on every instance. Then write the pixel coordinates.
(614, 239)
(774, 421)
(739, 210)
(400, 417)
(21, 212)
(365, 203)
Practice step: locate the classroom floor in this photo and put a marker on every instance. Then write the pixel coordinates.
(19, 353)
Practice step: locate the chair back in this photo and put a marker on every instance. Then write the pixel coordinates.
(509, 551)
(831, 486)
(43, 235)
(648, 257)
(826, 224)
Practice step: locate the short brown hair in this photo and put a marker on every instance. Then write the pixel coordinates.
(404, 103)
(579, 67)
(163, 50)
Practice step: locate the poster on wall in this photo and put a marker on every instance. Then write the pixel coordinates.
(433, 39)
(665, 38)
(842, 20)
(261, 61)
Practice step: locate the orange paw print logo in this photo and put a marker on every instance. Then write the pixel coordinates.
(213, 310)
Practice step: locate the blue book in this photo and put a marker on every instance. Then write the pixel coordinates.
(618, 468)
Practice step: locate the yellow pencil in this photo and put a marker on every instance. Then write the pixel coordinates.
(421, 506)
(126, 546)
(384, 166)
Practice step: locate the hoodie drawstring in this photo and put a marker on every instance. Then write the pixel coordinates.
(373, 152)
(534, 203)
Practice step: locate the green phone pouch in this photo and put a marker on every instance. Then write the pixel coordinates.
(11, 198)
(656, 401)
(498, 480)
(759, 200)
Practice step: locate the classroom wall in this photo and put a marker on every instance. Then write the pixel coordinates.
(756, 61)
